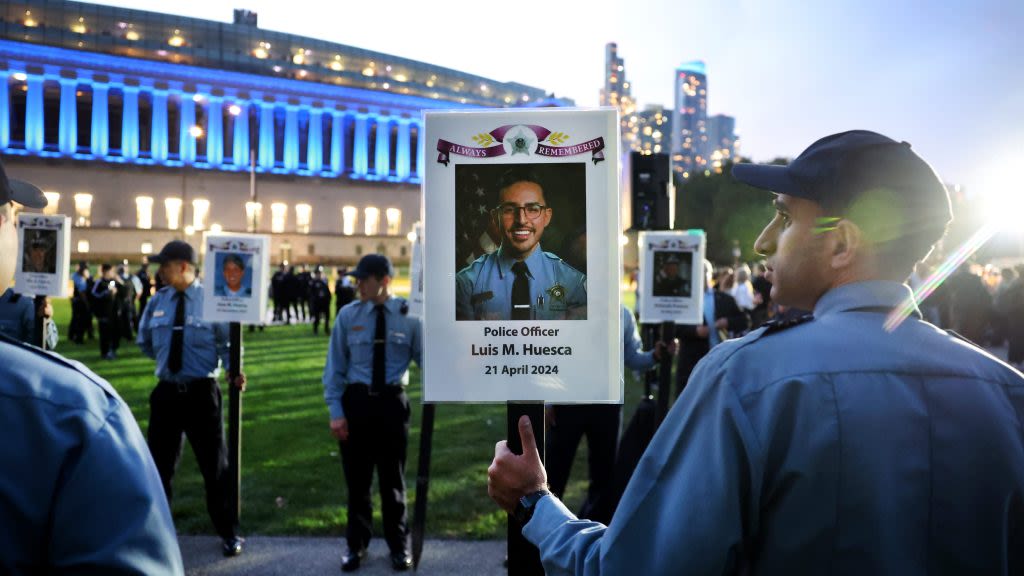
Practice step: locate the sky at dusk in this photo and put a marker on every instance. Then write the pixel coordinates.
(946, 76)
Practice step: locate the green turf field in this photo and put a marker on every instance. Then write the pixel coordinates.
(291, 473)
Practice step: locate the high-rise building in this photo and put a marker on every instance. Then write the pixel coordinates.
(616, 92)
(654, 127)
(689, 119)
(722, 140)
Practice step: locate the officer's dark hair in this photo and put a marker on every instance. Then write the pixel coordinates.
(519, 173)
(234, 259)
(82, 265)
(106, 266)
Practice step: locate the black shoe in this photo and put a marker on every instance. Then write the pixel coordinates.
(232, 546)
(401, 561)
(350, 561)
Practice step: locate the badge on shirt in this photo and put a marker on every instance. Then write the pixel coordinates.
(357, 328)
(158, 313)
(557, 294)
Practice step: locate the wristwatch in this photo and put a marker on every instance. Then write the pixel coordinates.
(524, 508)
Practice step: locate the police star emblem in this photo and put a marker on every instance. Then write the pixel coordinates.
(557, 292)
(521, 143)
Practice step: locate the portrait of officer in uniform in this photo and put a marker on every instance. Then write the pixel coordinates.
(519, 280)
(667, 278)
(233, 280)
(39, 256)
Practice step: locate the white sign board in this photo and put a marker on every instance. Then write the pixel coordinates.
(44, 256)
(235, 276)
(416, 273)
(519, 306)
(671, 278)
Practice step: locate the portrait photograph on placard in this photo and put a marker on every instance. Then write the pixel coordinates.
(44, 257)
(235, 275)
(520, 215)
(671, 276)
(519, 305)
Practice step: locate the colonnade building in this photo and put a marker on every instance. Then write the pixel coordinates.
(145, 127)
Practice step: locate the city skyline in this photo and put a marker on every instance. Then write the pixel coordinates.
(943, 78)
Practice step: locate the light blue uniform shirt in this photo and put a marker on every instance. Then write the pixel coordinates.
(79, 492)
(17, 319)
(633, 355)
(830, 447)
(483, 290)
(350, 353)
(205, 344)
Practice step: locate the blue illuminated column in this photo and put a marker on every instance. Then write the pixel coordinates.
(315, 141)
(337, 142)
(34, 115)
(100, 143)
(360, 159)
(402, 160)
(129, 121)
(186, 141)
(291, 138)
(158, 143)
(215, 130)
(382, 162)
(5, 111)
(240, 143)
(266, 152)
(420, 144)
(67, 138)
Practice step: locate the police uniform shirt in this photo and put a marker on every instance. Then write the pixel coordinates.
(205, 342)
(484, 288)
(78, 488)
(829, 445)
(17, 316)
(350, 352)
(633, 355)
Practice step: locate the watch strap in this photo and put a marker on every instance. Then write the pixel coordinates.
(523, 511)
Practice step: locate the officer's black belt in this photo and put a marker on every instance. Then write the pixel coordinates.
(184, 385)
(392, 389)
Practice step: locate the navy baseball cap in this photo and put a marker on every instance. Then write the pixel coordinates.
(23, 193)
(373, 265)
(175, 250)
(843, 169)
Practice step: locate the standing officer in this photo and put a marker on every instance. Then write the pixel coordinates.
(519, 281)
(146, 283)
(187, 398)
(344, 291)
(364, 379)
(839, 442)
(78, 490)
(320, 301)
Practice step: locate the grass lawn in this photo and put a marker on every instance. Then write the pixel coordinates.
(291, 474)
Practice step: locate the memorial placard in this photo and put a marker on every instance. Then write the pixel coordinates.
(235, 274)
(44, 255)
(671, 279)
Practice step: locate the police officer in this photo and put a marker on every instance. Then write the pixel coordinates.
(78, 489)
(519, 281)
(187, 398)
(320, 301)
(367, 369)
(846, 441)
(344, 291)
(668, 282)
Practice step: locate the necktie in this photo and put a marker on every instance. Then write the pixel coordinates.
(379, 345)
(177, 335)
(520, 292)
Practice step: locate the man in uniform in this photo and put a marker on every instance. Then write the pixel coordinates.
(519, 281)
(320, 301)
(78, 490)
(187, 398)
(364, 379)
(836, 442)
(38, 258)
(668, 282)
(344, 291)
(104, 306)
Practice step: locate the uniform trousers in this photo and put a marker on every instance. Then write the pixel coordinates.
(193, 408)
(378, 434)
(321, 310)
(110, 333)
(600, 423)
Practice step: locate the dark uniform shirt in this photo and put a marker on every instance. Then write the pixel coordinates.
(78, 489)
(17, 316)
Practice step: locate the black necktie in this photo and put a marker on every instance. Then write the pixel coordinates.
(177, 335)
(379, 344)
(520, 292)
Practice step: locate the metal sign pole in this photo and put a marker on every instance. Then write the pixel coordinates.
(523, 557)
(235, 423)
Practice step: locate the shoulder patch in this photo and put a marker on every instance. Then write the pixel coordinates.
(773, 326)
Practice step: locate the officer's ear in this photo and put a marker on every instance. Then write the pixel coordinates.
(847, 244)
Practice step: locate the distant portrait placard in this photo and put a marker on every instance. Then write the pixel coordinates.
(671, 278)
(416, 272)
(518, 304)
(44, 255)
(235, 277)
